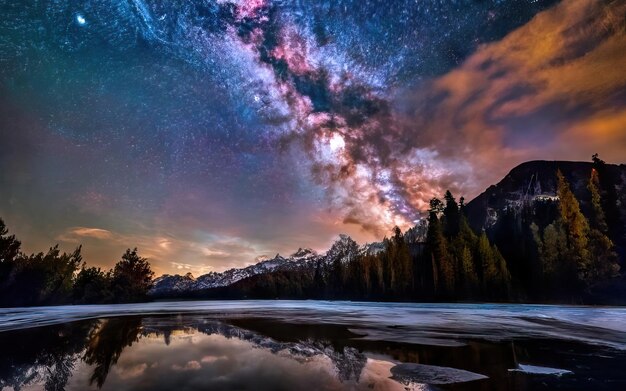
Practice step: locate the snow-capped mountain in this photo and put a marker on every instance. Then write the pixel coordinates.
(344, 249)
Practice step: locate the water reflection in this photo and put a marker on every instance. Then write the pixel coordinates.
(106, 342)
(192, 352)
(44, 356)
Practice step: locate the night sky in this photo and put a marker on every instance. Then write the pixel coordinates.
(208, 133)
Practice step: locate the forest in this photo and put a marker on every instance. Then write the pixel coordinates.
(55, 278)
(553, 254)
(545, 250)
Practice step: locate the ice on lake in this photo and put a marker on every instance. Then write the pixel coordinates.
(287, 345)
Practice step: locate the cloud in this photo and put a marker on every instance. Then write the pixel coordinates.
(182, 266)
(214, 253)
(131, 371)
(551, 89)
(193, 268)
(212, 359)
(196, 252)
(189, 366)
(76, 234)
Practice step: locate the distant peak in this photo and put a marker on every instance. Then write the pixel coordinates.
(303, 252)
(344, 248)
(261, 258)
(343, 240)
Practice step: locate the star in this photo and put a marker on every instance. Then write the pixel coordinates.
(80, 19)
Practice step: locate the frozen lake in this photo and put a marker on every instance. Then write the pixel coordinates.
(312, 345)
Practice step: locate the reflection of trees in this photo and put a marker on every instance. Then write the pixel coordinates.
(106, 343)
(49, 354)
(46, 355)
(60, 372)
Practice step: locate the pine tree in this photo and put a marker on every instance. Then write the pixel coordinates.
(598, 219)
(450, 215)
(486, 263)
(319, 284)
(402, 264)
(575, 226)
(132, 277)
(443, 266)
(9, 250)
(9, 246)
(495, 277)
(503, 277)
(603, 256)
(610, 200)
(92, 286)
(469, 277)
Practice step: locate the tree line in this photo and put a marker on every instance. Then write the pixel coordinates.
(54, 278)
(554, 253)
(547, 250)
(444, 260)
(566, 250)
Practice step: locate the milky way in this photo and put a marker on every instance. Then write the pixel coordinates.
(220, 128)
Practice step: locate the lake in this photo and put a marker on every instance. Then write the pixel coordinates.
(312, 345)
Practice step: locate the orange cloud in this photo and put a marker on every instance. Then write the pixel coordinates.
(552, 89)
(76, 234)
(166, 253)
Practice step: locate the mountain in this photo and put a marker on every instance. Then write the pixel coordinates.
(517, 214)
(535, 182)
(518, 209)
(343, 249)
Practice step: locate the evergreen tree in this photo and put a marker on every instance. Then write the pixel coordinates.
(9, 246)
(60, 270)
(468, 277)
(337, 279)
(132, 277)
(598, 220)
(92, 286)
(610, 201)
(9, 250)
(487, 266)
(402, 264)
(443, 266)
(495, 277)
(574, 255)
(319, 284)
(575, 226)
(42, 279)
(450, 216)
(604, 259)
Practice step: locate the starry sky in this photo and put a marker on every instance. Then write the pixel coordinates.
(209, 133)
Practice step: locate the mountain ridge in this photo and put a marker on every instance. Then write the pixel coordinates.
(343, 249)
(527, 184)
(530, 181)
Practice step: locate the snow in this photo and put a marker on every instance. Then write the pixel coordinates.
(409, 373)
(537, 370)
(431, 324)
(343, 249)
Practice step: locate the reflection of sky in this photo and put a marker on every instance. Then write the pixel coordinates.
(326, 345)
(208, 133)
(194, 361)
